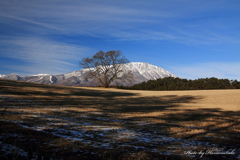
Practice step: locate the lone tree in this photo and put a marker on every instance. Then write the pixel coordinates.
(107, 67)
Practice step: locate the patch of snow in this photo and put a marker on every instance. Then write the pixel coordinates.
(98, 130)
(51, 79)
(97, 113)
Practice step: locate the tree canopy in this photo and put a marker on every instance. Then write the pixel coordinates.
(107, 67)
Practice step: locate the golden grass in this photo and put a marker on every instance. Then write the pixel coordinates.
(202, 115)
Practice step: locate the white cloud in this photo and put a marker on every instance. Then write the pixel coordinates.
(203, 70)
(29, 21)
(42, 55)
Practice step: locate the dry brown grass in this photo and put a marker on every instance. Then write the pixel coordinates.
(186, 117)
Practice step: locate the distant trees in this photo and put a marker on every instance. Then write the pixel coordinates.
(107, 67)
(235, 84)
(171, 83)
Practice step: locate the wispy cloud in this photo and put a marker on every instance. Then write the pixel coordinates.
(47, 56)
(203, 70)
(45, 34)
(29, 21)
(116, 19)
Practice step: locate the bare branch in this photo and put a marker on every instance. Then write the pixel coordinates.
(107, 67)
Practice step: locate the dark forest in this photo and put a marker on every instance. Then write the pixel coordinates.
(171, 83)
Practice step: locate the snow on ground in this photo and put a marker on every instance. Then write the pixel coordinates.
(99, 130)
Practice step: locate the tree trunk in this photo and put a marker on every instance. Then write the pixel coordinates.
(106, 86)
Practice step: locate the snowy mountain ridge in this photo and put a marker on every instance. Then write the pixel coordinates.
(141, 72)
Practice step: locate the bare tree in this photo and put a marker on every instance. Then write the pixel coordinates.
(107, 67)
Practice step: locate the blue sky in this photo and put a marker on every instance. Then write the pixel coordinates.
(191, 39)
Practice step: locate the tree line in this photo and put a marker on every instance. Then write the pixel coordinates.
(171, 83)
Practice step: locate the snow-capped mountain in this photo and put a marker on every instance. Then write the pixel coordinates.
(1, 75)
(13, 76)
(141, 72)
(148, 71)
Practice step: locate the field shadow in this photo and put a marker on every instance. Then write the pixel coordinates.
(145, 104)
(77, 101)
(106, 101)
(53, 91)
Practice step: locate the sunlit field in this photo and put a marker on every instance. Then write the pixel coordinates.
(55, 122)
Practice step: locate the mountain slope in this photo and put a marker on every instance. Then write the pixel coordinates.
(14, 76)
(148, 71)
(141, 72)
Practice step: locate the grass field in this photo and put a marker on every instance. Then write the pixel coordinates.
(56, 122)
